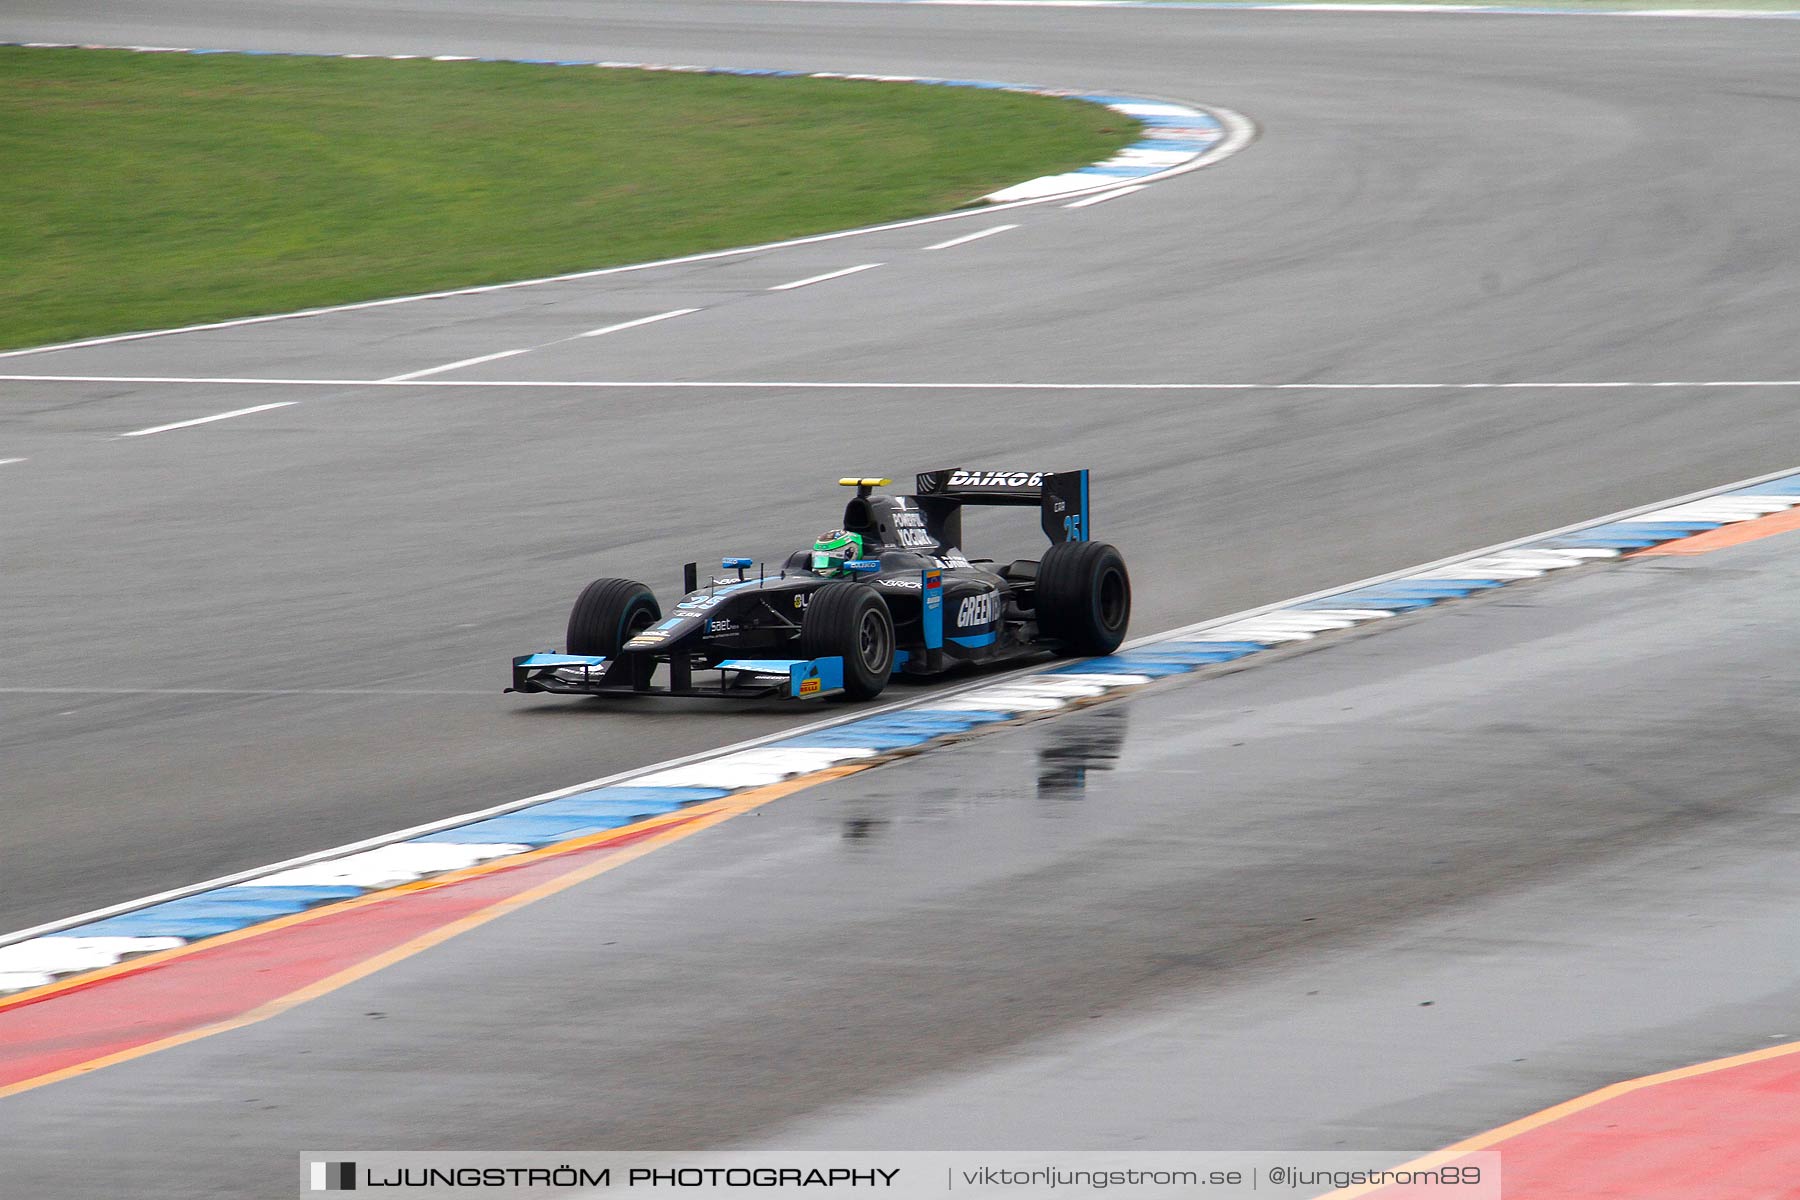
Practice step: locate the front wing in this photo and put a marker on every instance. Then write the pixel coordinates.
(630, 675)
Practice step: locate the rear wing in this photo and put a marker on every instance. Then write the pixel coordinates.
(1060, 496)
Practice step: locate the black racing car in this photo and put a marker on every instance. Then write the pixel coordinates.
(911, 604)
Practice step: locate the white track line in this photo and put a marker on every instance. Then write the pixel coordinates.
(7, 462)
(224, 416)
(1240, 131)
(461, 362)
(881, 385)
(130, 691)
(971, 237)
(1103, 197)
(606, 329)
(812, 279)
(500, 354)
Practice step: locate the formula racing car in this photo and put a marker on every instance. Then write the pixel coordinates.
(888, 593)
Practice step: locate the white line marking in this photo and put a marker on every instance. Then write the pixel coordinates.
(78, 953)
(606, 329)
(1240, 131)
(881, 385)
(224, 416)
(250, 381)
(800, 283)
(487, 358)
(753, 768)
(7, 462)
(129, 691)
(461, 362)
(971, 237)
(388, 866)
(1103, 197)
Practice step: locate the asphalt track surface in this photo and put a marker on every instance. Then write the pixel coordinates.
(1378, 895)
(1467, 200)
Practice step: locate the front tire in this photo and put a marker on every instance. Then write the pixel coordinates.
(609, 613)
(1083, 598)
(851, 621)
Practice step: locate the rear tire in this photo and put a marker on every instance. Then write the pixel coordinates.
(1083, 598)
(609, 613)
(851, 621)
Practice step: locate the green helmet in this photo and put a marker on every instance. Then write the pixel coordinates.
(834, 549)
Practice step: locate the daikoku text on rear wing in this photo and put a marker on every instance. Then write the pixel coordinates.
(1060, 496)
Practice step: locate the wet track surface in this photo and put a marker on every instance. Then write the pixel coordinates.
(1380, 894)
(1383, 893)
(1449, 200)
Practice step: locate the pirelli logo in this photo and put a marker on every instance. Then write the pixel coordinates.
(809, 687)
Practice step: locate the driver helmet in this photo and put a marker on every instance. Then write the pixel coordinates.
(835, 548)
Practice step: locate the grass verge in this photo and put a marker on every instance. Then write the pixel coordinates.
(149, 190)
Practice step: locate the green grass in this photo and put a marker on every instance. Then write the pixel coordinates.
(148, 190)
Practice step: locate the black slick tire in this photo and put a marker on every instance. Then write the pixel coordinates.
(851, 621)
(609, 613)
(1083, 598)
